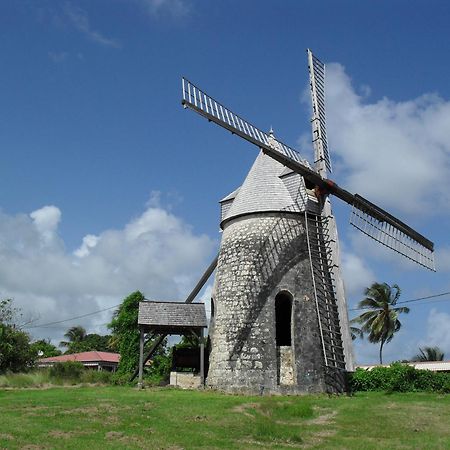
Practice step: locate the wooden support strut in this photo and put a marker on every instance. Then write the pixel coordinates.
(189, 299)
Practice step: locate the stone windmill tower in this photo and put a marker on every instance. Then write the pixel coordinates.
(279, 316)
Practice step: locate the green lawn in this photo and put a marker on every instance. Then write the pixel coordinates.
(120, 417)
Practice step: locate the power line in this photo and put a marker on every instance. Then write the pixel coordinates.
(44, 325)
(412, 300)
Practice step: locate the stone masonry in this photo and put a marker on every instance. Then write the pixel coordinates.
(263, 254)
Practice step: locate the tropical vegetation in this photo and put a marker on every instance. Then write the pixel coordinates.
(429, 354)
(399, 377)
(380, 322)
(125, 337)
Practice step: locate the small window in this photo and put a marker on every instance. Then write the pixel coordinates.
(283, 315)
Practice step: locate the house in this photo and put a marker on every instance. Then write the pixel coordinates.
(91, 360)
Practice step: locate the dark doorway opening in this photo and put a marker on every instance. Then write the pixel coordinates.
(283, 315)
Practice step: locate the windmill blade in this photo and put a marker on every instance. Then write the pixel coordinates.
(318, 123)
(197, 100)
(391, 232)
(367, 217)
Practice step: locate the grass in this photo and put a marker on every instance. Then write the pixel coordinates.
(44, 378)
(163, 418)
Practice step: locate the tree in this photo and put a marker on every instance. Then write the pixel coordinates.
(89, 343)
(429, 354)
(8, 313)
(125, 337)
(43, 348)
(125, 332)
(74, 334)
(381, 322)
(356, 333)
(15, 351)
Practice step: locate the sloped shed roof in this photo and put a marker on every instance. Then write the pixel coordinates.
(173, 315)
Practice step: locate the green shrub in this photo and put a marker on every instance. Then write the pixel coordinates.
(399, 378)
(95, 377)
(68, 370)
(23, 380)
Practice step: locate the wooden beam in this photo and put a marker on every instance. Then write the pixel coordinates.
(202, 359)
(141, 357)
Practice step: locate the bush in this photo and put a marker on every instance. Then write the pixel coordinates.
(399, 378)
(96, 377)
(68, 370)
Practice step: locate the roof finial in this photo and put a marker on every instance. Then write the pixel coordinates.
(271, 131)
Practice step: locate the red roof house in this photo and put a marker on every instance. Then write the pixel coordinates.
(92, 360)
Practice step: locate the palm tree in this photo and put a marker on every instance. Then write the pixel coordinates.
(429, 354)
(356, 332)
(74, 334)
(381, 322)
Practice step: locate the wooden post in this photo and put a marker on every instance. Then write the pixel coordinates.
(141, 358)
(202, 359)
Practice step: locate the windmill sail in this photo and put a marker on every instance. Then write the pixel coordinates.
(317, 85)
(367, 217)
(391, 232)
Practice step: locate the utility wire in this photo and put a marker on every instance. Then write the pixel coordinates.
(412, 300)
(44, 325)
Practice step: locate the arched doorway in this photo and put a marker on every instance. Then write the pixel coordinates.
(283, 338)
(283, 318)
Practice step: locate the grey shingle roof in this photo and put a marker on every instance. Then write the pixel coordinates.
(172, 314)
(264, 190)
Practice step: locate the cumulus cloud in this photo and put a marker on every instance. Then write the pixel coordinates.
(357, 274)
(393, 153)
(155, 252)
(443, 259)
(438, 332)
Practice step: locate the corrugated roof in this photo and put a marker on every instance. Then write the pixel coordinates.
(172, 314)
(263, 190)
(92, 356)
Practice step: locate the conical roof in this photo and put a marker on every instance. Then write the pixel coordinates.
(267, 187)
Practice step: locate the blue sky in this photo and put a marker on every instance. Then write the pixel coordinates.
(108, 185)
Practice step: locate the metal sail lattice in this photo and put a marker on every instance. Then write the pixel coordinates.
(317, 85)
(363, 218)
(202, 103)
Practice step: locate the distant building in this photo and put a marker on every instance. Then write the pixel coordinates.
(91, 360)
(434, 366)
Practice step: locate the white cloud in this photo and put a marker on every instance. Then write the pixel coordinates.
(58, 57)
(155, 252)
(443, 259)
(80, 20)
(174, 8)
(393, 153)
(438, 332)
(89, 242)
(357, 275)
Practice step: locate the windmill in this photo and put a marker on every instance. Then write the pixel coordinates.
(279, 317)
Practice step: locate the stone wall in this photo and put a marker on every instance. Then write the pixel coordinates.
(185, 380)
(260, 256)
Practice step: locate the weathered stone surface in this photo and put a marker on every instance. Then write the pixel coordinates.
(262, 255)
(185, 380)
(285, 365)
